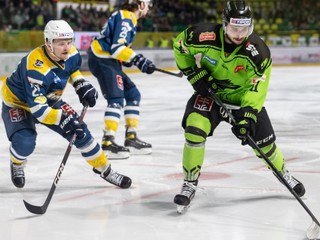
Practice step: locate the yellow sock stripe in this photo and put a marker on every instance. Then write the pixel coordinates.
(99, 161)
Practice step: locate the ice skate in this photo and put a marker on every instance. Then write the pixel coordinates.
(136, 146)
(114, 178)
(113, 150)
(184, 199)
(17, 174)
(295, 184)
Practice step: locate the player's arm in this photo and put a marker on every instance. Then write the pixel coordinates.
(184, 54)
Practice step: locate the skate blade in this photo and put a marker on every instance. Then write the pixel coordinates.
(117, 156)
(142, 151)
(182, 209)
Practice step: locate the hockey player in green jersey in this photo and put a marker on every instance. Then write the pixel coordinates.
(236, 64)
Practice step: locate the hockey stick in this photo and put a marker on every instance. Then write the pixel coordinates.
(180, 74)
(42, 209)
(314, 229)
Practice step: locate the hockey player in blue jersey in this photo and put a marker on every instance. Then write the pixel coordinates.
(33, 95)
(106, 56)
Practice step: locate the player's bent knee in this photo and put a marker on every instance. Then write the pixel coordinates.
(24, 142)
(133, 95)
(197, 128)
(195, 135)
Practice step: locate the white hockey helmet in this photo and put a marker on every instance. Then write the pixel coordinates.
(57, 29)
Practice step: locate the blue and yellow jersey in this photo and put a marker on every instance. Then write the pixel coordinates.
(117, 36)
(38, 83)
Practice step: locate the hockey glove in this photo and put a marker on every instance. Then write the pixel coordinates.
(127, 64)
(69, 122)
(246, 119)
(144, 64)
(199, 80)
(86, 92)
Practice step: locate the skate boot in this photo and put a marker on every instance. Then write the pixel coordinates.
(295, 184)
(114, 178)
(17, 174)
(184, 199)
(113, 150)
(136, 146)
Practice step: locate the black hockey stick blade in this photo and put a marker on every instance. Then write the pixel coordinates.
(43, 208)
(179, 74)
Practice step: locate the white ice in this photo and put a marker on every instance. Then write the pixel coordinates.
(238, 197)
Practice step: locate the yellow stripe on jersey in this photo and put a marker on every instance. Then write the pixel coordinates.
(124, 53)
(98, 51)
(76, 76)
(36, 60)
(10, 99)
(53, 116)
(127, 14)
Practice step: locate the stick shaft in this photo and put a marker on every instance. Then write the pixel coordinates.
(254, 144)
(180, 74)
(43, 208)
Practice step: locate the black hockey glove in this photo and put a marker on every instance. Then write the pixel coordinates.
(144, 64)
(86, 92)
(199, 80)
(246, 119)
(69, 122)
(127, 64)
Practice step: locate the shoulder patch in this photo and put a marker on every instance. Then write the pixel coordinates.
(207, 36)
(38, 63)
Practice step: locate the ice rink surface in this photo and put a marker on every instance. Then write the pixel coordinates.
(238, 197)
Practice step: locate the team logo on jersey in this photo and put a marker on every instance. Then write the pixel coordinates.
(68, 109)
(40, 100)
(38, 63)
(182, 48)
(207, 36)
(239, 68)
(252, 49)
(210, 60)
(190, 36)
(255, 80)
(119, 82)
(17, 115)
(203, 103)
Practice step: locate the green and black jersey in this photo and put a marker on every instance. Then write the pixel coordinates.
(240, 74)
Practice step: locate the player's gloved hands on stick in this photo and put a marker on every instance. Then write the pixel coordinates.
(199, 80)
(144, 64)
(69, 122)
(127, 64)
(246, 119)
(86, 92)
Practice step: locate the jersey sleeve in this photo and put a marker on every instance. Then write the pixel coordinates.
(117, 37)
(259, 71)
(192, 43)
(184, 54)
(37, 101)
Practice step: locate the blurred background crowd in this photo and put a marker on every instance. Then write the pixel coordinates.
(166, 15)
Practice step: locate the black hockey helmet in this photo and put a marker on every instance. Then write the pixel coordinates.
(238, 13)
(237, 9)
